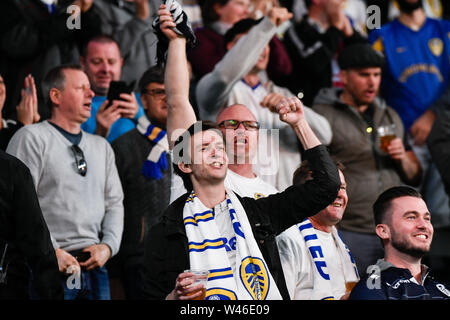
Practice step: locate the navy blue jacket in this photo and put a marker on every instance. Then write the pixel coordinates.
(398, 284)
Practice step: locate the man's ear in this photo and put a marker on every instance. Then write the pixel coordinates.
(383, 231)
(54, 95)
(144, 101)
(184, 167)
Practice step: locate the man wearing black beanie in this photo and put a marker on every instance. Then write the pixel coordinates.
(355, 113)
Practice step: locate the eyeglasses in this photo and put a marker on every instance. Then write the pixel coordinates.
(234, 124)
(79, 159)
(157, 93)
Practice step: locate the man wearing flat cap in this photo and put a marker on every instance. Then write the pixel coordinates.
(355, 114)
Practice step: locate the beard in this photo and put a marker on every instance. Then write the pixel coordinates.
(402, 245)
(408, 7)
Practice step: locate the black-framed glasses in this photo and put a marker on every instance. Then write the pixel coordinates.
(234, 124)
(79, 159)
(157, 93)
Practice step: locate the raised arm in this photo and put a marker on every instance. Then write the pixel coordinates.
(292, 112)
(297, 202)
(214, 88)
(180, 114)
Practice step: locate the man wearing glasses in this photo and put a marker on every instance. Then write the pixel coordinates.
(77, 183)
(238, 125)
(237, 79)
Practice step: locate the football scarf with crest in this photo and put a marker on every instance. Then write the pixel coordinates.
(157, 158)
(251, 279)
(322, 285)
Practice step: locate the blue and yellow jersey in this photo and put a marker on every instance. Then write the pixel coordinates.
(417, 65)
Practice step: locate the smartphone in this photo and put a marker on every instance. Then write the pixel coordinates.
(116, 88)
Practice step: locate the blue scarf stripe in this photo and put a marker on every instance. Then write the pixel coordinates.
(199, 217)
(215, 274)
(153, 170)
(206, 244)
(160, 135)
(310, 237)
(305, 226)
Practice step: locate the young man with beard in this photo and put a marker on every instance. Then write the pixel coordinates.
(403, 223)
(417, 50)
(355, 112)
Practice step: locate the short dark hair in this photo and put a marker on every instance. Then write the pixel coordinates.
(154, 74)
(303, 172)
(384, 200)
(102, 38)
(242, 26)
(209, 15)
(55, 78)
(183, 142)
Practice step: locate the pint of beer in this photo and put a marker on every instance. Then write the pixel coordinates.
(200, 276)
(386, 134)
(350, 285)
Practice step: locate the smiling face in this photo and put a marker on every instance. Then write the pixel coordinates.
(409, 228)
(102, 64)
(332, 215)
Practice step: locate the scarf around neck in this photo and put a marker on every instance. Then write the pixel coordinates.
(251, 279)
(322, 284)
(157, 158)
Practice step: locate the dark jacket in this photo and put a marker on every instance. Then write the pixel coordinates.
(33, 41)
(144, 199)
(391, 283)
(23, 229)
(7, 133)
(439, 140)
(368, 171)
(167, 255)
(312, 53)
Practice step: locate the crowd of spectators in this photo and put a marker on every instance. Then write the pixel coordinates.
(101, 104)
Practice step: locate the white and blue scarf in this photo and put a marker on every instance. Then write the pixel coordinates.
(251, 279)
(157, 158)
(322, 285)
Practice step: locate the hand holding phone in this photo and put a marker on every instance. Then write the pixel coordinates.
(116, 88)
